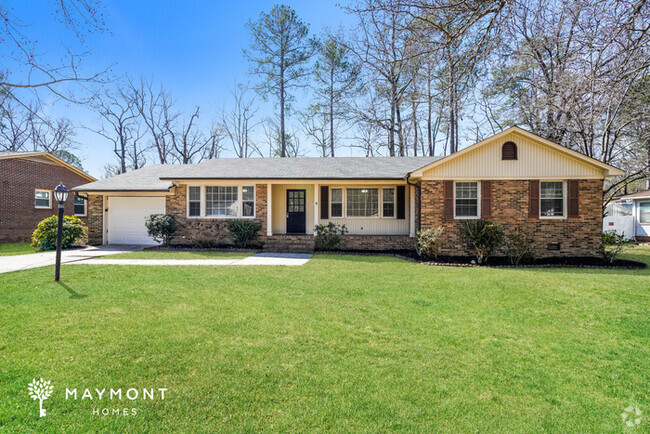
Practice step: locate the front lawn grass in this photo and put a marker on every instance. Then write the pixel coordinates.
(16, 249)
(182, 254)
(344, 343)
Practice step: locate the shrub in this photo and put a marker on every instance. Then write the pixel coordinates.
(611, 245)
(427, 242)
(243, 232)
(44, 237)
(519, 245)
(161, 227)
(482, 236)
(329, 236)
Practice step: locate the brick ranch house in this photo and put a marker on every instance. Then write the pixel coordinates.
(514, 178)
(26, 183)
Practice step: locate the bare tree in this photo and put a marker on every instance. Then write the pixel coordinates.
(316, 125)
(238, 122)
(119, 125)
(155, 109)
(189, 143)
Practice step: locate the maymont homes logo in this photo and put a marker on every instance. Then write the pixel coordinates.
(43, 389)
(40, 390)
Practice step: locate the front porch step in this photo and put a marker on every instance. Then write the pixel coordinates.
(289, 244)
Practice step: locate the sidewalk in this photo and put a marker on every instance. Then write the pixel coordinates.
(36, 260)
(288, 259)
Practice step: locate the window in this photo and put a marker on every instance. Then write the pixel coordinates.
(466, 199)
(248, 200)
(43, 199)
(363, 202)
(644, 212)
(336, 202)
(509, 151)
(551, 199)
(221, 201)
(388, 202)
(79, 206)
(194, 201)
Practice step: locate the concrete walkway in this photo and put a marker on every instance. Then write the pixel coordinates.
(36, 260)
(289, 259)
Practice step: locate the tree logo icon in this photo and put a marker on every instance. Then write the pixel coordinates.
(41, 390)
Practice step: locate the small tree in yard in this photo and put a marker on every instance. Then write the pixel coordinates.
(243, 232)
(482, 236)
(427, 242)
(44, 237)
(329, 236)
(519, 245)
(161, 227)
(611, 245)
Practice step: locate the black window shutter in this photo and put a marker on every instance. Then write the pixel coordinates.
(400, 197)
(324, 202)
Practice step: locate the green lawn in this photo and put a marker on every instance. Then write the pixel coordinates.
(16, 249)
(182, 254)
(344, 343)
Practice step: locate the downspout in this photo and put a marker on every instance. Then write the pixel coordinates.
(418, 203)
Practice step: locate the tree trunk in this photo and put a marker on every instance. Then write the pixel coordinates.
(332, 111)
(415, 130)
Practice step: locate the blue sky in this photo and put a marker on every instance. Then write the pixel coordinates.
(194, 48)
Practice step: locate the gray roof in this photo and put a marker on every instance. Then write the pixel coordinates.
(303, 168)
(9, 154)
(159, 178)
(145, 179)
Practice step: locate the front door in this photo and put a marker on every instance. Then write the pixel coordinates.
(296, 216)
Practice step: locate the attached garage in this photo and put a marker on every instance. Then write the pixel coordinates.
(126, 219)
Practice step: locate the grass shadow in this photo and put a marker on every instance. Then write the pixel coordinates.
(73, 294)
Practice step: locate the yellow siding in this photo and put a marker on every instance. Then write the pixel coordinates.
(535, 161)
(356, 226)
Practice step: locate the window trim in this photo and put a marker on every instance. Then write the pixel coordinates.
(642, 202)
(478, 201)
(49, 197)
(381, 202)
(342, 216)
(240, 208)
(85, 213)
(565, 212)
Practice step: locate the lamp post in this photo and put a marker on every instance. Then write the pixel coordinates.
(61, 195)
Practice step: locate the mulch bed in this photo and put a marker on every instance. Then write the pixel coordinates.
(504, 262)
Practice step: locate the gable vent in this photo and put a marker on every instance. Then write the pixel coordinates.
(509, 151)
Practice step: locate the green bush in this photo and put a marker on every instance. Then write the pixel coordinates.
(44, 237)
(611, 245)
(243, 232)
(519, 245)
(482, 236)
(329, 236)
(161, 227)
(427, 242)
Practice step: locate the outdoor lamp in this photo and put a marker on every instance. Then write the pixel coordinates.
(61, 195)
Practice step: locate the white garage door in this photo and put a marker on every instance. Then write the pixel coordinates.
(126, 218)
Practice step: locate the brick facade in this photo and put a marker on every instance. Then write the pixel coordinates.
(209, 231)
(378, 242)
(95, 219)
(576, 237)
(19, 177)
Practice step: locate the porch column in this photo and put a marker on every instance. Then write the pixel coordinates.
(315, 206)
(411, 211)
(269, 210)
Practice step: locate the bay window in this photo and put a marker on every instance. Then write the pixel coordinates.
(551, 199)
(221, 201)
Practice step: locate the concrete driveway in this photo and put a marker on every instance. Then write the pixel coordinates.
(36, 260)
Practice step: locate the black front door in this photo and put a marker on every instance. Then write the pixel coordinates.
(296, 216)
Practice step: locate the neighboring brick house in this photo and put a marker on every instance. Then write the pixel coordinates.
(514, 178)
(26, 183)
